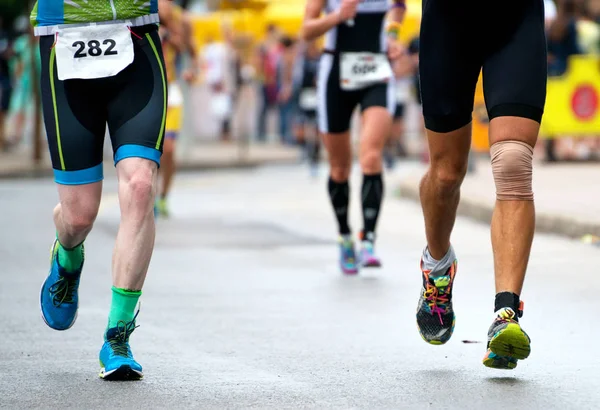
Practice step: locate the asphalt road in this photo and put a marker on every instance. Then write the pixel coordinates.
(244, 308)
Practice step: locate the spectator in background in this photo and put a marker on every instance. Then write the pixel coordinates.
(593, 7)
(5, 81)
(588, 30)
(24, 65)
(286, 95)
(306, 68)
(562, 37)
(549, 13)
(403, 73)
(217, 58)
(268, 56)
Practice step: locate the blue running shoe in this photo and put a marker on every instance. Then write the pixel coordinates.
(116, 358)
(58, 298)
(348, 255)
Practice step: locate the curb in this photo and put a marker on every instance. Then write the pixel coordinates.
(44, 171)
(482, 212)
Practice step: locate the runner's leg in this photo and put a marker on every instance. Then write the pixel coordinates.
(168, 165)
(515, 91)
(378, 104)
(334, 113)
(448, 70)
(75, 128)
(135, 239)
(136, 120)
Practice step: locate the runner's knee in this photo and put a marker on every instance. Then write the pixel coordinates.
(340, 164)
(512, 167)
(371, 161)
(138, 184)
(447, 176)
(77, 216)
(339, 173)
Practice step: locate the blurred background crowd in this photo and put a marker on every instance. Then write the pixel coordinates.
(247, 91)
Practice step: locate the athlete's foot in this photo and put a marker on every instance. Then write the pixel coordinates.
(347, 255)
(367, 257)
(59, 297)
(435, 316)
(116, 358)
(161, 208)
(507, 342)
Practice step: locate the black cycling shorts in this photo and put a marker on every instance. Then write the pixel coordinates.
(336, 105)
(132, 103)
(459, 38)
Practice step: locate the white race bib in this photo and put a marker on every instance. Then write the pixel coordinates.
(93, 51)
(361, 70)
(308, 99)
(175, 95)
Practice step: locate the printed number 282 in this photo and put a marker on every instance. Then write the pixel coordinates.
(94, 49)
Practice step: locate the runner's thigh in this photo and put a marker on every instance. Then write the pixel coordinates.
(449, 65)
(75, 120)
(515, 72)
(138, 107)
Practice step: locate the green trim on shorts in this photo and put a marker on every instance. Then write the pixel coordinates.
(164, 81)
(55, 106)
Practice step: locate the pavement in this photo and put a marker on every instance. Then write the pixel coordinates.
(244, 307)
(201, 156)
(567, 196)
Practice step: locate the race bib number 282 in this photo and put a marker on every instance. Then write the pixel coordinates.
(93, 51)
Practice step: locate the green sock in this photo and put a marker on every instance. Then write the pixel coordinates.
(70, 259)
(123, 306)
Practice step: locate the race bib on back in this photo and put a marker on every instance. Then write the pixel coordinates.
(95, 51)
(361, 70)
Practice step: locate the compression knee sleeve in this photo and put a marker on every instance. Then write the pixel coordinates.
(512, 167)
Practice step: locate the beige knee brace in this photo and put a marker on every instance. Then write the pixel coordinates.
(512, 163)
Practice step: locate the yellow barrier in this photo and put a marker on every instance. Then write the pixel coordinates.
(287, 15)
(572, 102)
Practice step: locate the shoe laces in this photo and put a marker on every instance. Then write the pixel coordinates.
(63, 290)
(118, 341)
(437, 299)
(505, 315)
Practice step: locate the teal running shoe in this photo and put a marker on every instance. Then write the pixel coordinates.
(367, 256)
(59, 299)
(116, 359)
(348, 263)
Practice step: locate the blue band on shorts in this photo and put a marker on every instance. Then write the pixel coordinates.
(80, 177)
(137, 151)
(171, 135)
